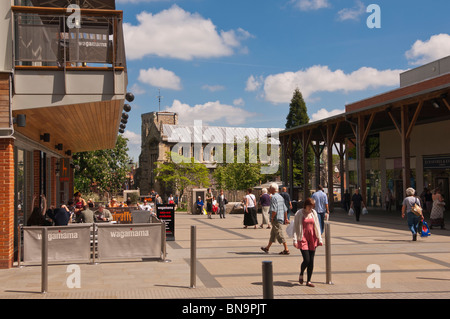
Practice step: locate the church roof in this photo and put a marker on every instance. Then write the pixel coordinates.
(215, 134)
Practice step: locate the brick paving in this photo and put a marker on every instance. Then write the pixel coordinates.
(230, 265)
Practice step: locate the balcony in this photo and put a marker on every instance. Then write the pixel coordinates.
(70, 65)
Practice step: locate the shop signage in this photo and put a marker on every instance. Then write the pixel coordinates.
(442, 162)
(166, 214)
(64, 169)
(128, 241)
(67, 243)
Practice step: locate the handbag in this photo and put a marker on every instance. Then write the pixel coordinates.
(416, 209)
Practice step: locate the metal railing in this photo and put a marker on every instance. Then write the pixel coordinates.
(46, 38)
(92, 242)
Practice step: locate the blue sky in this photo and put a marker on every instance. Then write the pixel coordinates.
(237, 63)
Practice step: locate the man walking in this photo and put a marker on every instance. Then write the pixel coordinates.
(278, 213)
(321, 207)
(287, 201)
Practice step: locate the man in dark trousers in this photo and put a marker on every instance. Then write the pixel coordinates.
(357, 204)
(287, 201)
(222, 201)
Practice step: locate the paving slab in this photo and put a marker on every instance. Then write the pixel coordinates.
(229, 265)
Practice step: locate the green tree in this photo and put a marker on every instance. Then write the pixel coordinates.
(104, 169)
(240, 176)
(181, 173)
(237, 176)
(298, 115)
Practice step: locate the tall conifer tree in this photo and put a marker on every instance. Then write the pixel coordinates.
(298, 115)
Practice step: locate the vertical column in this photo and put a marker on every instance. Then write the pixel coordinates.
(305, 146)
(283, 160)
(53, 190)
(406, 165)
(6, 203)
(330, 143)
(361, 157)
(291, 167)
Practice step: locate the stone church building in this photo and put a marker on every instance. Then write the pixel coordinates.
(161, 133)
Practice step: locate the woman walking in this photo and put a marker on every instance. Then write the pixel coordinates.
(250, 218)
(437, 210)
(412, 219)
(307, 237)
(264, 200)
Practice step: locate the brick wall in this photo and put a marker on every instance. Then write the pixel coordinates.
(6, 202)
(4, 100)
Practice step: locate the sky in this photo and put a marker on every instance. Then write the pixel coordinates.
(237, 62)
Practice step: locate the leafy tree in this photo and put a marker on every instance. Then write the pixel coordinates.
(298, 115)
(106, 170)
(237, 176)
(240, 176)
(181, 173)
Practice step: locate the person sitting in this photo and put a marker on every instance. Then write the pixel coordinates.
(37, 217)
(87, 215)
(199, 206)
(114, 203)
(60, 216)
(145, 206)
(102, 214)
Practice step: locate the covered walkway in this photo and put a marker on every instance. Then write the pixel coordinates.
(422, 99)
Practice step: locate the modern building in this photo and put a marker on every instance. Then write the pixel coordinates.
(393, 140)
(63, 82)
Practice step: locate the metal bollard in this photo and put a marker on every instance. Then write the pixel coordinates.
(193, 256)
(267, 277)
(328, 253)
(44, 261)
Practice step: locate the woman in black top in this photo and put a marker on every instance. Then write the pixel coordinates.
(37, 217)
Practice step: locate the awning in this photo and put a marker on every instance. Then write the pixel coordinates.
(79, 127)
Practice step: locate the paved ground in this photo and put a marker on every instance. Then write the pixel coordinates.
(230, 265)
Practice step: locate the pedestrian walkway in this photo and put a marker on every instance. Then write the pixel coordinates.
(230, 265)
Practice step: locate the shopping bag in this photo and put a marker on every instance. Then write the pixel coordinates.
(351, 212)
(425, 230)
(365, 211)
(290, 230)
(204, 212)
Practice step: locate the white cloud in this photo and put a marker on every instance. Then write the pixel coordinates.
(278, 88)
(175, 33)
(352, 13)
(239, 102)
(136, 89)
(210, 112)
(323, 113)
(213, 88)
(133, 138)
(134, 144)
(253, 83)
(160, 78)
(308, 5)
(422, 52)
